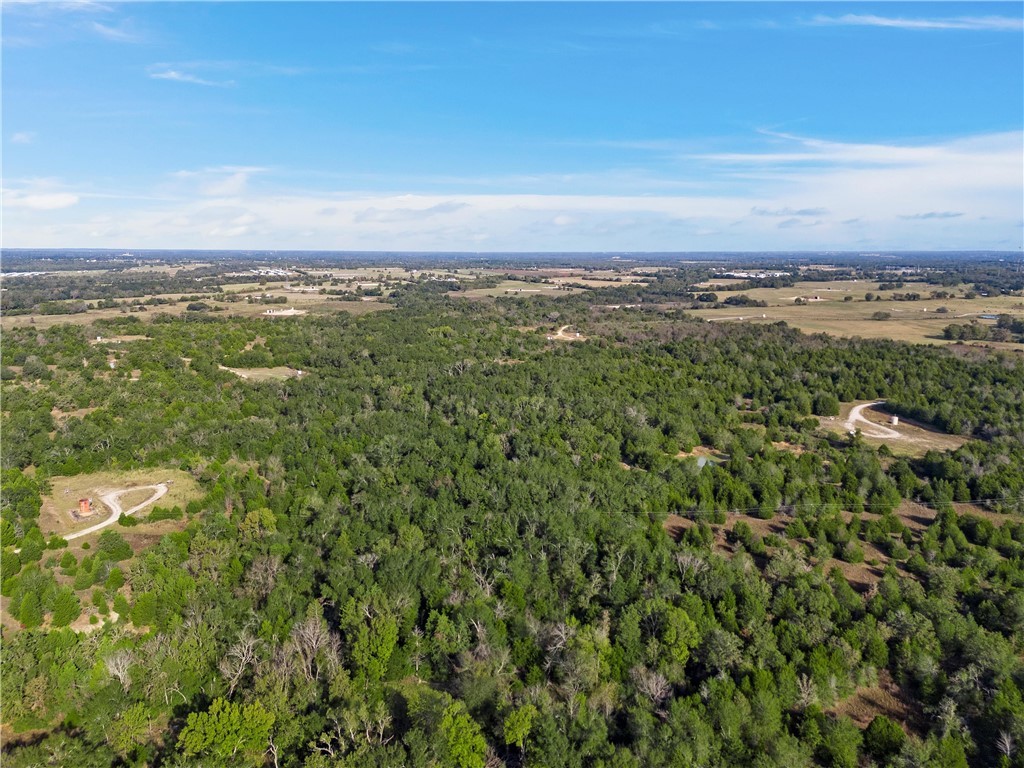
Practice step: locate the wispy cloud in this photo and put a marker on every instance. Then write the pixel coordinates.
(789, 211)
(216, 72)
(120, 34)
(933, 215)
(23, 137)
(56, 6)
(407, 214)
(794, 222)
(972, 23)
(177, 76)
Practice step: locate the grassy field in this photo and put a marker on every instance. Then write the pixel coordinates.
(826, 311)
(55, 517)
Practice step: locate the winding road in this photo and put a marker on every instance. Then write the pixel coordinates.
(111, 500)
(871, 429)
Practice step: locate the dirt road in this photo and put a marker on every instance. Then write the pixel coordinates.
(561, 335)
(111, 500)
(869, 428)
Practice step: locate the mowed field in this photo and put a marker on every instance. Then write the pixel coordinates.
(827, 312)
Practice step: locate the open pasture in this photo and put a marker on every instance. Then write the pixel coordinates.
(827, 311)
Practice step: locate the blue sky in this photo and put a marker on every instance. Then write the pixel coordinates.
(513, 126)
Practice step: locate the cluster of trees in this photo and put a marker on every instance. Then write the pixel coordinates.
(445, 545)
(975, 332)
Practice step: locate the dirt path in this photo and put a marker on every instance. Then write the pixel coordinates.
(870, 429)
(111, 500)
(561, 335)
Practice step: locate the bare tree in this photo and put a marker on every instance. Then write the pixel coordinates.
(261, 577)
(416, 655)
(1005, 744)
(239, 658)
(807, 693)
(690, 564)
(313, 645)
(949, 717)
(651, 684)
(118, 665)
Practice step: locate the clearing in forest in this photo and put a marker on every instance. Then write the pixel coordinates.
(264, 374)
(908, 437)
(704, 455)
(564, 334)
(887, 698)
(109, 494)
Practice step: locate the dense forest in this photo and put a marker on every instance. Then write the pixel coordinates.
(455, 542)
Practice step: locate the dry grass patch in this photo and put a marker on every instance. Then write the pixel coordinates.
(883, 698)
(133, 498)
(674, 525)
(791, 447)
(860, 576)
(703, 451)
(118, 339)
(79, 413)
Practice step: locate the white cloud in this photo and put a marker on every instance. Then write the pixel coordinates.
(223, 181)
(184, 77)
(974, 23)
(23, 137)
(229, 186)
(407, 214)
(38, 201)
(794, 193)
